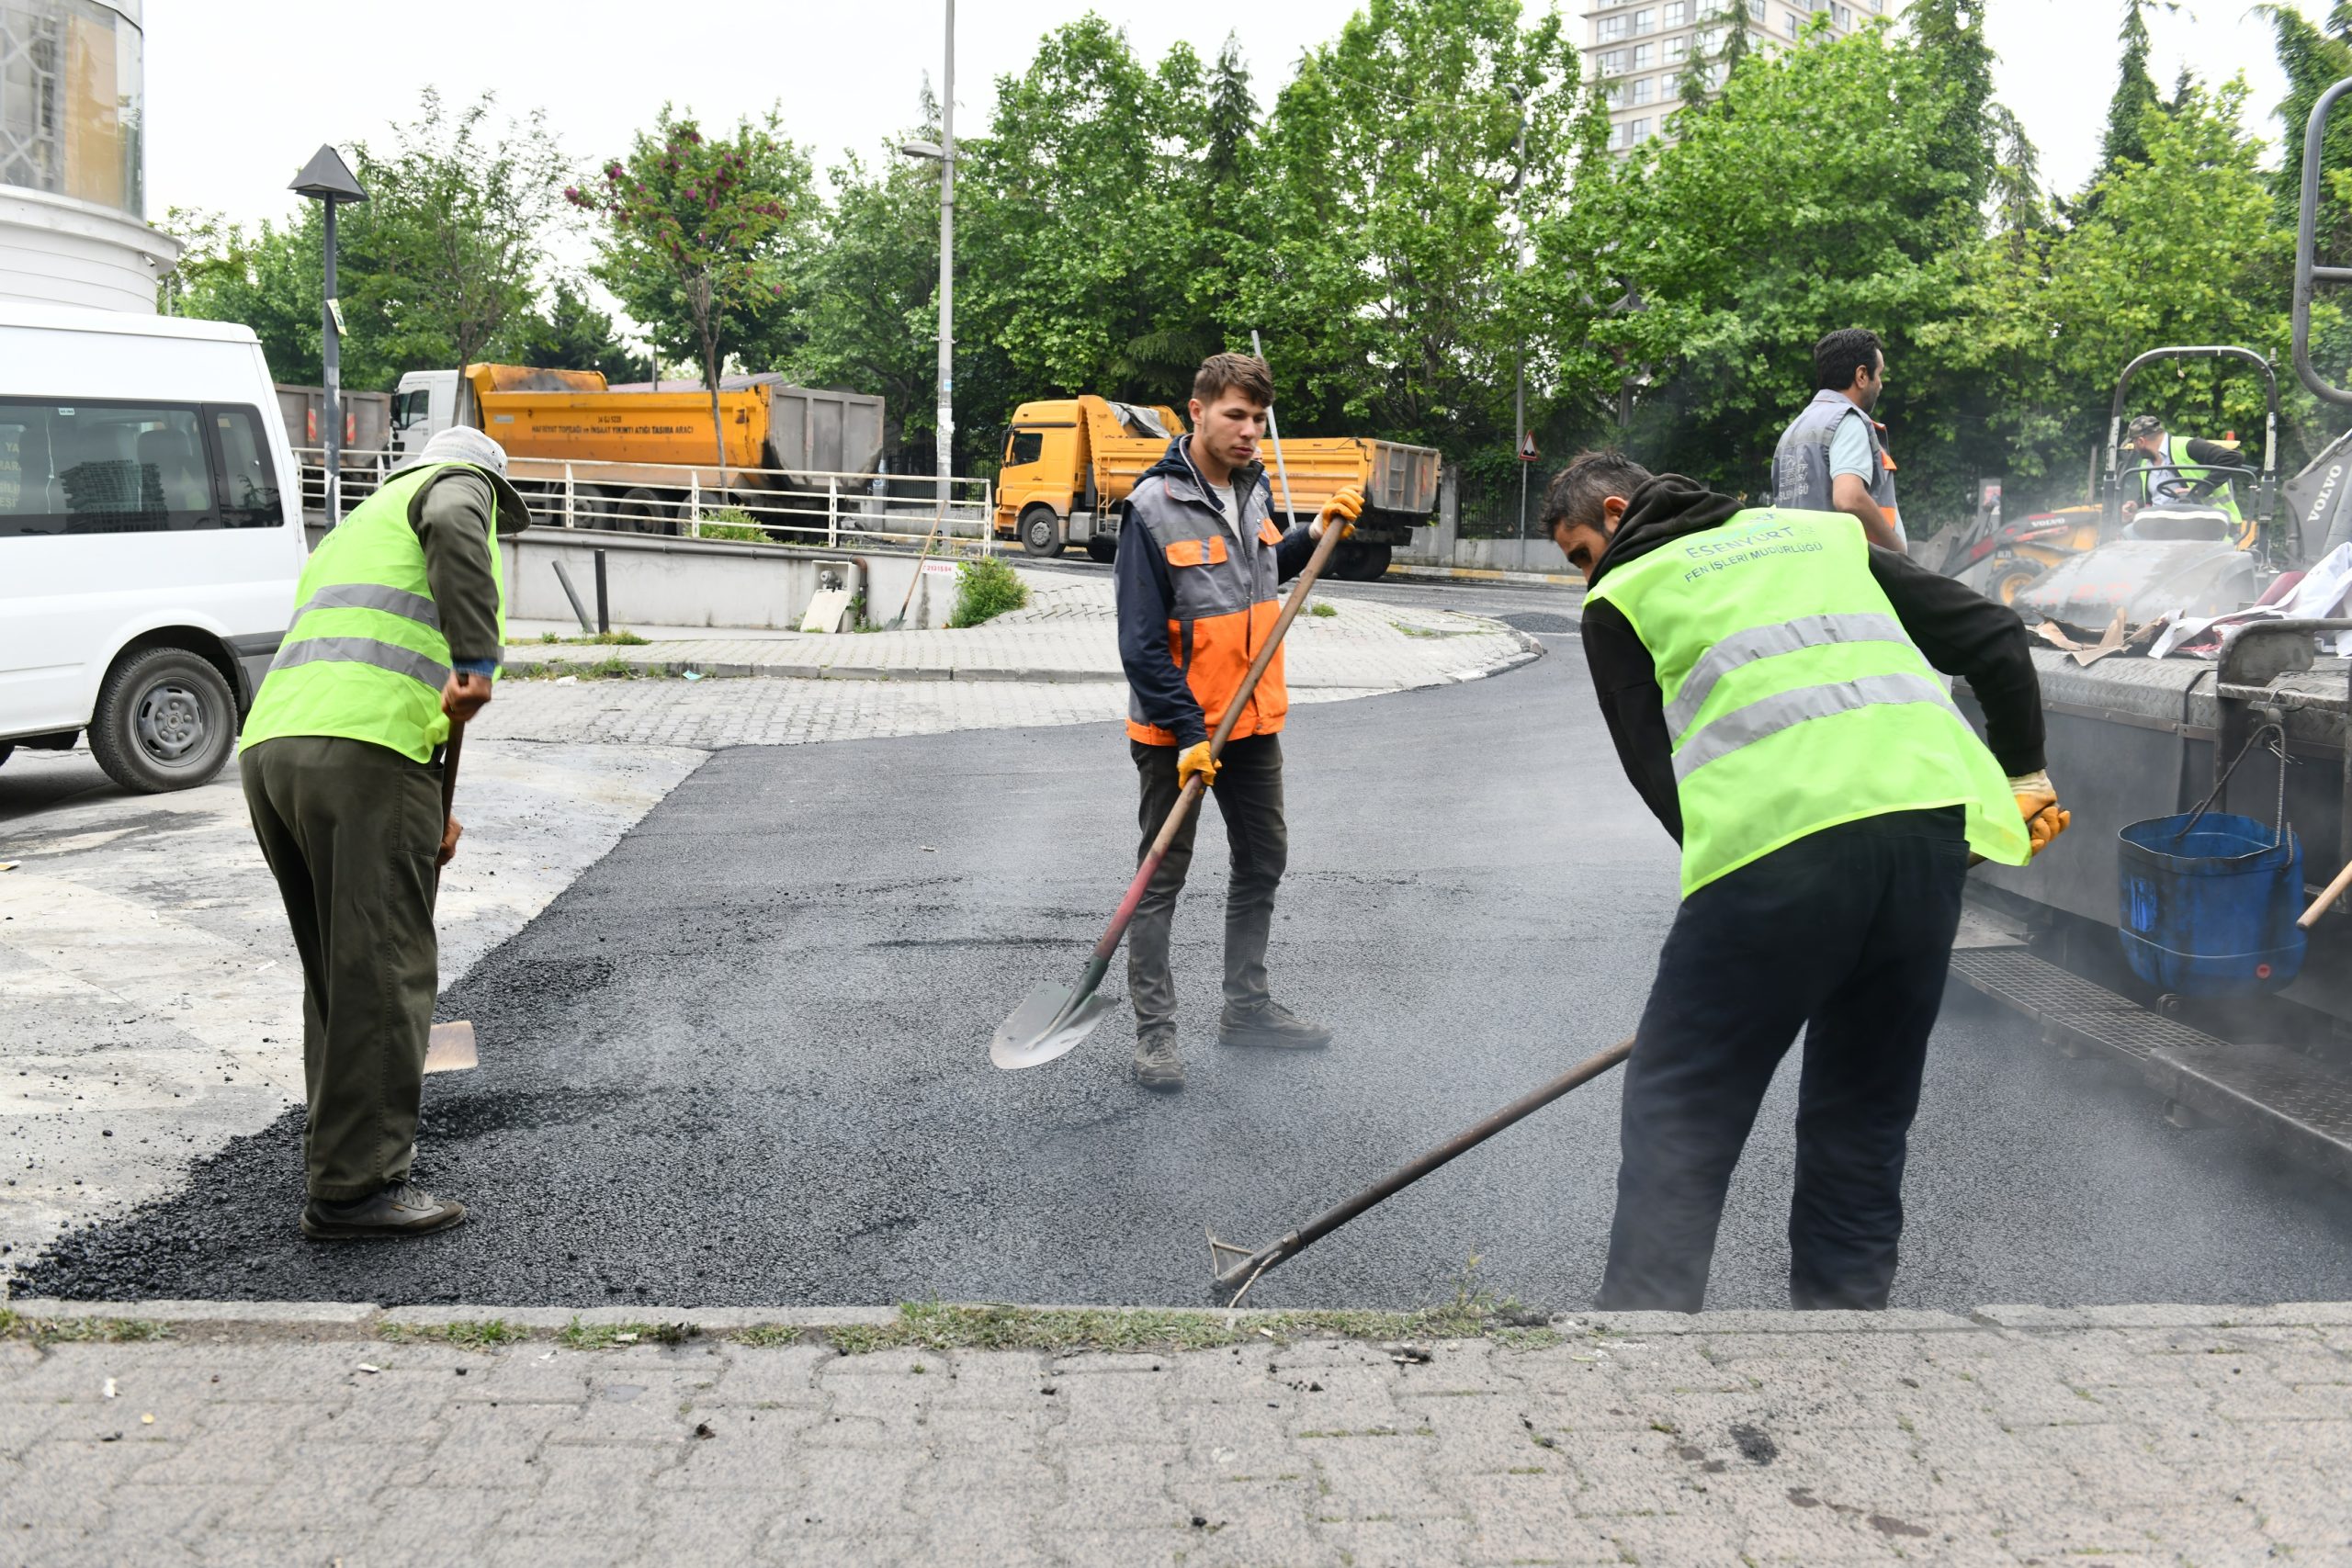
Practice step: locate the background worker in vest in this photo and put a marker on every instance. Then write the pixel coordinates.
(1833, 456)
(2181, 468)
(399, 627)
(1200, 563)
(1767, 677)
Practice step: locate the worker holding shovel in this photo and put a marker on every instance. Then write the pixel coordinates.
(1768, 677)
(399, 626)
(1200, 563)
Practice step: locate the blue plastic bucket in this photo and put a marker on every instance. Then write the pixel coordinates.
(2211, 911)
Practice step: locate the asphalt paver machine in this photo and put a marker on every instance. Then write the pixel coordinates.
(2257, 728)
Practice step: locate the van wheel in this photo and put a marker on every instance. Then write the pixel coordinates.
(1104, 550)
(1041, 531)
(165, 720)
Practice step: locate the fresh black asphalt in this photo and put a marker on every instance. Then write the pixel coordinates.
(743, 1060)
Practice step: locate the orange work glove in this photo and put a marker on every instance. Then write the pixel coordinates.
(2037, 801)
(1345, 507)
(1196, 759)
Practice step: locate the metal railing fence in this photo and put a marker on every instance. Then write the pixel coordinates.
(754, 506)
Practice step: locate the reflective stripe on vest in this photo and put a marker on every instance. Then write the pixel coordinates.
(1764, 642)
(368, 597)
(1786, 710)
(364, 650)
(1793, 700)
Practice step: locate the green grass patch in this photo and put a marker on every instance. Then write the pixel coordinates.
(81, 1330)
(935, 1326)
(985, 588)
(620, 637)
(731, 523)
(474, 1334)
(1326, 611)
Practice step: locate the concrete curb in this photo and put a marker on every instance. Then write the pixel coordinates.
(366, 1320)
(1485, 574)
(553, 665)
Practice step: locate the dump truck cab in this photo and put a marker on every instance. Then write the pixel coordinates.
(1069, 461)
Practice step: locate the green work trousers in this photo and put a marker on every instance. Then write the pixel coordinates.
(350, 830)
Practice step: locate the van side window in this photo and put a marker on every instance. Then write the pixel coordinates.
(1026, 446)
(248, 482)
(99, 467)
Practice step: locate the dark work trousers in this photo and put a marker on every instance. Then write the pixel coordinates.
(1248, 791)
(1845, 934)
(350, 830)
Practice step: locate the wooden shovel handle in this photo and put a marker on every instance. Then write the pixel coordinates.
(2319, 906)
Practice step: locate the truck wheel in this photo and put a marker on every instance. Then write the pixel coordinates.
(1104, 550)
(642, 511)
(1041, 531)
(1370, 563)
(165, 720)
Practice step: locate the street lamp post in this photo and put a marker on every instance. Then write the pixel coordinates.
(943, 151)
(327, 178)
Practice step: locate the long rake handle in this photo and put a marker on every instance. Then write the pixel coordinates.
(1100, 963)
(1526, 1105)
(449, 754)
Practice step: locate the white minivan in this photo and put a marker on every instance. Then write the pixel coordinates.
(151, 535)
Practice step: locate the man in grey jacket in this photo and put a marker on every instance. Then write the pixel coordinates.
(1833, 456)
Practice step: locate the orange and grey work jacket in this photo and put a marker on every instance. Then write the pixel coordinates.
(1197, 600)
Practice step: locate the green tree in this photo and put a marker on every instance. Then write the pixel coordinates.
(1404, 164)
(870, 295)
(2135, 95)
(450, 247)
(269, 279)
(572, 334)
(1685, 292)
(700, 235)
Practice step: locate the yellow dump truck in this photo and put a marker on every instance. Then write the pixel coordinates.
(1071, 462)
(635, 456)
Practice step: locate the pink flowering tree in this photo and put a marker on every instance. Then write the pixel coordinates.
(699, 235)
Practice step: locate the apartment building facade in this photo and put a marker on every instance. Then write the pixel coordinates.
(1642, 48)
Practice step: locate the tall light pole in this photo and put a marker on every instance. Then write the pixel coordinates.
(327, 178)
(944, 152)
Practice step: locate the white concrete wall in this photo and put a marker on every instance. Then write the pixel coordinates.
(1430, 549)
(652, 582)
(55, 251)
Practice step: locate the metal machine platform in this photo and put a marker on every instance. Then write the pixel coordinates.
(2300, 1107)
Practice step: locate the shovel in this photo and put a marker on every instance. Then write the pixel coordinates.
(449, 1048)
(1241, 1272)
(1053, 1018)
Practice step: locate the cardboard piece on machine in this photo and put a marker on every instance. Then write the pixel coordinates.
(2111, 641)
(450, 1048)
(825, 611)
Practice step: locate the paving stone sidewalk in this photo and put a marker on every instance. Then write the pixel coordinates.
(1070, 633)
(2025, 1436)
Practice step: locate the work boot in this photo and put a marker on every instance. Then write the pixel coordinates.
(403, 1209)
(1270, 1024)
(1157, 1064)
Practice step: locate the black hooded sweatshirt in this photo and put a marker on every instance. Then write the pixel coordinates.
(1961, 632)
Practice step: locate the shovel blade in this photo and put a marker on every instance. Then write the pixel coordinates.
(1037, 1032)
(450, 1048)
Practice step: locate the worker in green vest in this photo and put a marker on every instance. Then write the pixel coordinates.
(2183, 469)
(399, 627)
(1770, 680)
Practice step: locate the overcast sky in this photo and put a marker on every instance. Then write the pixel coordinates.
(240, 92)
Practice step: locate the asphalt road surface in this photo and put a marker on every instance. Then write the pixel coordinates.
(743, 1060)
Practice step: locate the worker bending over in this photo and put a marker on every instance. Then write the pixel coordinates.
(1768, 679)
(399, 626)
(2177, 470)
(1199, 563)
(1833, 456)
